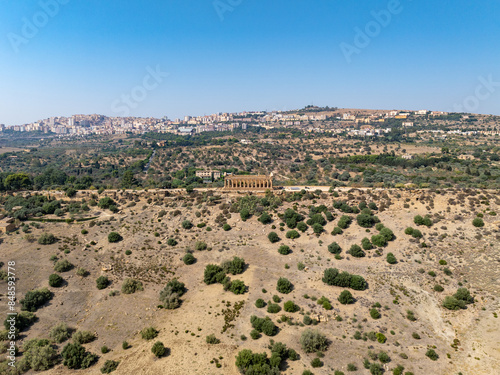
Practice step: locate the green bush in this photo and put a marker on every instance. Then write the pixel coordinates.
(478, 222)
(23, 320)
(333, 277)
(47, 239)
(159, 349)
(211, 339)
(106, 202)
(316, 362)
(431, 353)
(63, 266)
(149, 333)
(438, 288)
(102, 282)
(336, 231)
(238, 287)
(83, 337)
(302, 226)
(109, 366)
(55, 280)
(59, 333)
(313, 341)
(200, 245)
(409, 231)
(416, 234)
(463, 294)
(265, 218)
(226, 227)
(284, 285)
(273, 308)
(273, 237)
(189, 259)
(346, 298)
(334, 248)
(365, 220)
(387, 234)
(451, 303)
(244, 214)
(186, 224)
(391, 259)
(374, 313)
(170, 295)
(38, 355)
(381, 339)
(379, 240)
(344, 222)
(290, 307)
(75, 356)
(210, 275)
(292, 234)
(34, 299)
(384, 357)
(234, 267)
(130, 286)
(356, 251)
(398, 370)
(260, 303)
(172, 242)
(317, 228)
(114, 237)
(264, 325)
(284, 250)
(366, 244)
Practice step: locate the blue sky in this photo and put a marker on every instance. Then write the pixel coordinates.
(82, 56)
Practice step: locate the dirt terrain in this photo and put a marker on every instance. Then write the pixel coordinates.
(147, 220)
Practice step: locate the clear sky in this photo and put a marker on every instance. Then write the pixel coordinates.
(112, 57)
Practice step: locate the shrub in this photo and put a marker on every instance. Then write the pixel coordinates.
(416, 234)
(451, 303)
(104, 349)
(307, 320)
(336, 231)
(59, 333)
(189, 259)
(333, 277)
(415, 335)
(273, 237)
(265, 218)
(186, 224)
(313, 341)
(244, 214)
(226, 227)
(273, 308)
(317, 228)
(292, 234)
(344, 222)
(159, 349)
(38, 355)
(114, 237)
(35, 299)
(366, 244)
(106, 202)
(63, 266)
(83, 337)
(379, 240)
(376, 369)
(200, 245)
(478, 222)
(234, 267)
(409, 231)
(391, 259)
(125, 345)
(211, 339)
(356, 251)
(302, 226)
(47, 239)
(316, 362)
(75, 356)
(381, 338)
(290, 307)
(432, 354)
(109, 366)
(365, 220)
(398, 370)
(169, 296)
(284, 250)
(284, 285)
(149, 333)
(238, 287)
(102, 282)
(384, 357)
(387, 234)
(346, 298)
(463, 294)
(410, 315)
(210, 275)
(172, 242)
(55, 280)
(334, 248)
(82, 272)
(374, 313)
(438, 288)
(260, 303)
(130, 286)
(23, 320)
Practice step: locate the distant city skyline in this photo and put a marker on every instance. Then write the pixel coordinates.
(194, 58)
